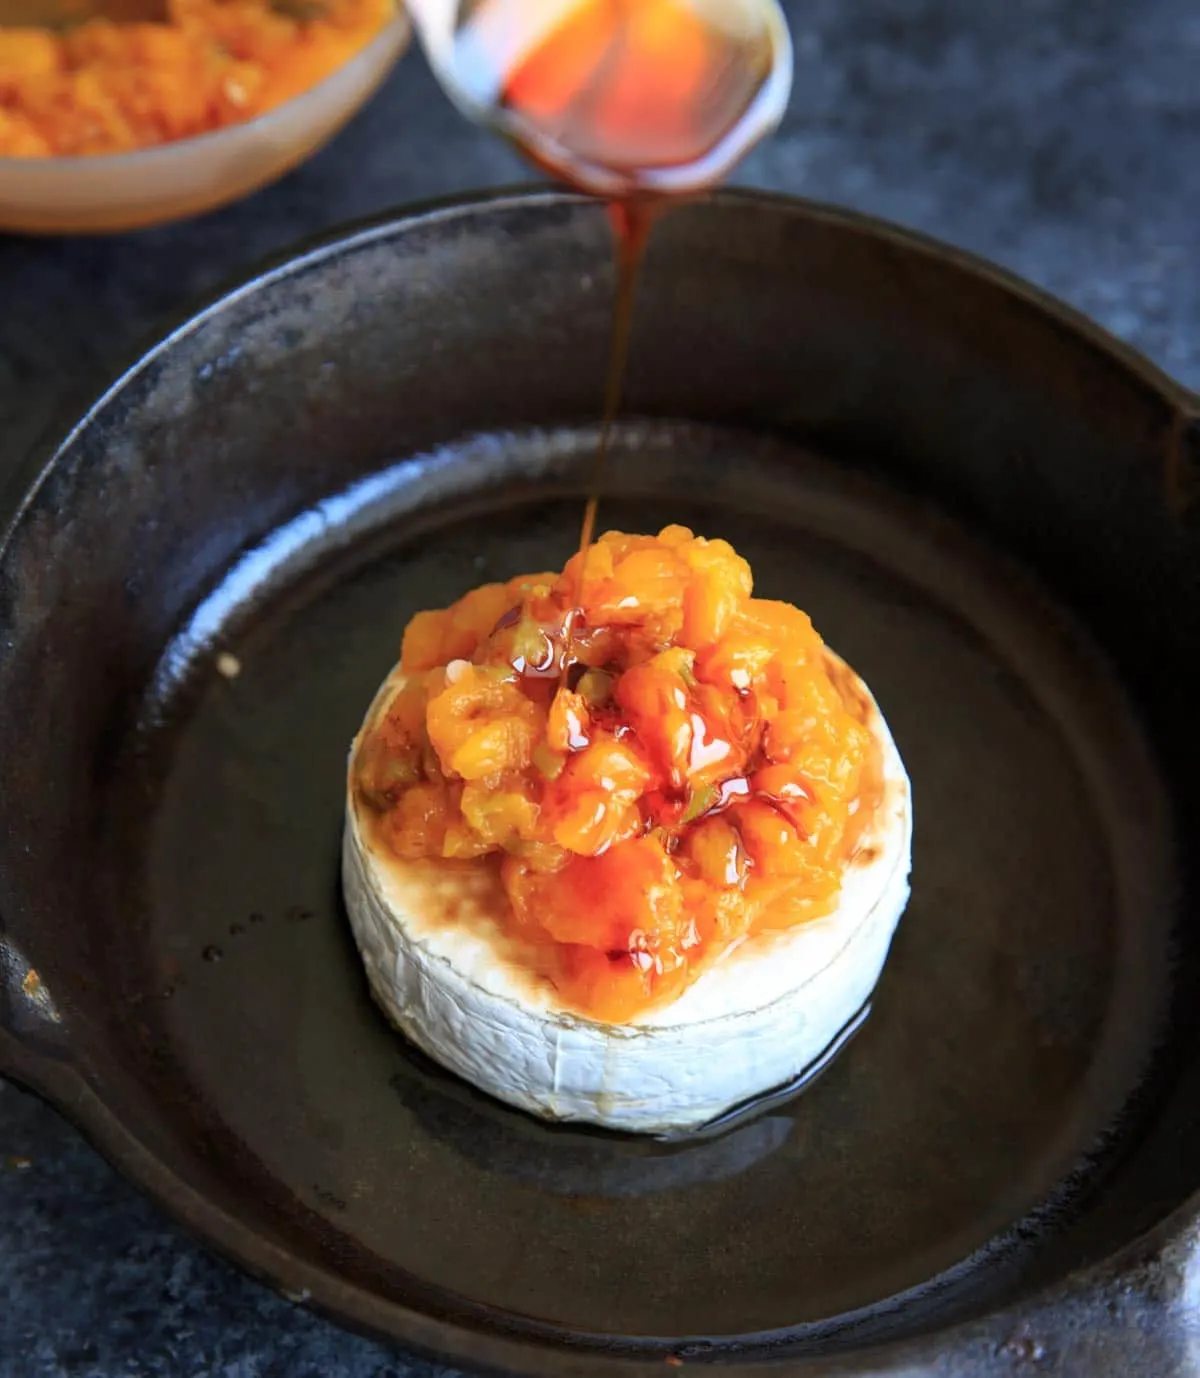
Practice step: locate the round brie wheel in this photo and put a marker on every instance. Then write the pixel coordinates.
(447, 975)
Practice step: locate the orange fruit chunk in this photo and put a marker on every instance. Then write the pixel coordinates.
(105, 87)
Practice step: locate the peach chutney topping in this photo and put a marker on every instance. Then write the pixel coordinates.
(660, 764)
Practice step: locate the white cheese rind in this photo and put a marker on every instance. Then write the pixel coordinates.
(756, 1020)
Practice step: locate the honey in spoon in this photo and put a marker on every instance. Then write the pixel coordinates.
(616, 97)
(640, 102)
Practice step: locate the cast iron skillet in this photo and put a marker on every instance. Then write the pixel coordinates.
(983, 501)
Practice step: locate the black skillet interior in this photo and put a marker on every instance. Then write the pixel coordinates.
(973, 497)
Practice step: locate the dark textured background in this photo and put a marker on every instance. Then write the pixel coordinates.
(1059, 137)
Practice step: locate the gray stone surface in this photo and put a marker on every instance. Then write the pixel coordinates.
(1059, 137)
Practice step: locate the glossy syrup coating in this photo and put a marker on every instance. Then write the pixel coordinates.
(659, 763)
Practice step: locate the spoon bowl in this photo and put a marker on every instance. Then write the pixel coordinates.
(616, 97)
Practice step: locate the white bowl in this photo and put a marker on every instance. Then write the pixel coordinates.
(150, 186)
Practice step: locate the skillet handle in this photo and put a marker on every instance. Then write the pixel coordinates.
(1183, 467)
(33, 1035)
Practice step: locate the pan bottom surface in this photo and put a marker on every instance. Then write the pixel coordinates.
(965, 1126)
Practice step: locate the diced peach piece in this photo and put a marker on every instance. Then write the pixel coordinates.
(770, 838)
(627, 899)
(499, 818)
(716, 849)
(610, 766)
(421, 648)
(738, 661)
(709, 607)
(655, 701)
(568, 722)
(501, 745)
(719, 559)
(416, 826)
(590, 822)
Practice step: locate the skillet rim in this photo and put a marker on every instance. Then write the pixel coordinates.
(91, 394)
(46, 1067)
